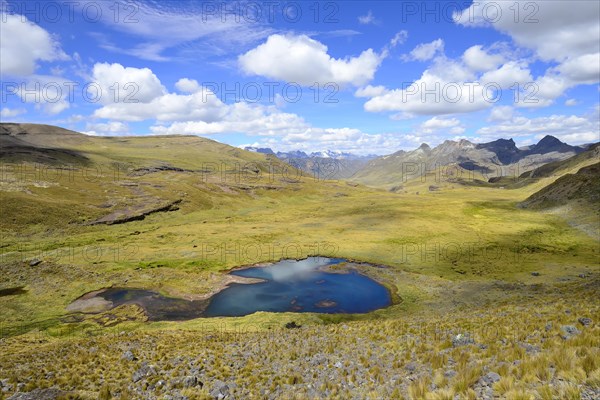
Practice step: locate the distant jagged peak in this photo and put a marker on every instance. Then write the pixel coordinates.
(549, 144)
(506, 143)
(451, 144)
(292, 154)
(466, 143)
(299, 154)
(549, 139)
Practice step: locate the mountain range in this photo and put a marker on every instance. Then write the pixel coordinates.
(327, 164)
(496, 158)
(336, 155)
(492, 159)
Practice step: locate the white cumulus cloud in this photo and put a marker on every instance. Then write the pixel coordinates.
(113, 128)
(11, 112)
(508, 75)
(568, 128)
(501, 113)
(555, 30)
(186, 85)
(302, 60)
(23, 44)
(370, 91)
(125, 84)
(435, 93)
(478, 59)
(426, 51)
(437, 124)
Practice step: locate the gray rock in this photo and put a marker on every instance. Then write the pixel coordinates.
(40, 394)
(490, 378)
(585, 321)
(144, 372)
(191, 381)
(529, 348)
(220, 390)
(411, 367)
(6, 386)
(462, 339)
(174, 396)
(450, 373)
(34, 262)
(569, 331)
(535, 274)
(128, 355)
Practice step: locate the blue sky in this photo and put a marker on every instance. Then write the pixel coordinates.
(364, 77)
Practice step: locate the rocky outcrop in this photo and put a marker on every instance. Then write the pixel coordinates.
(136, 213)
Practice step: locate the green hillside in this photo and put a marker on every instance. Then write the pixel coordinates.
(174, 213)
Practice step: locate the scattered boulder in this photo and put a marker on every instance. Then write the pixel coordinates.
(144, 372)
(292, 325)
(220, 390)
(40, 394)
(585, 321)
(535, 274)
(5, 385)
(530, 349)
(490, 378)
(450, 373)
(462, 339)
(35, 262)
(569, 331)
(411, 367)
(191, 381)
(128, 355)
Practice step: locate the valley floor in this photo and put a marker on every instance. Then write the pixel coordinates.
(491, 300)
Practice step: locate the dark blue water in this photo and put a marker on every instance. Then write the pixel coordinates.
(300, 286)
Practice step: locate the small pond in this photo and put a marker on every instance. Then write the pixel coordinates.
(286, 286)
(300, 286)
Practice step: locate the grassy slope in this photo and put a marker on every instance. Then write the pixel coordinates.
(446, 249)
(574, 196)
(583, 185)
